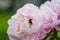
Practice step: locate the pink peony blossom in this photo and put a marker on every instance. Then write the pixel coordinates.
(56, 8)
(49, 17)
(25, 24)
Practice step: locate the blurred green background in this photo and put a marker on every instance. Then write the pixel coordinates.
(9, 8)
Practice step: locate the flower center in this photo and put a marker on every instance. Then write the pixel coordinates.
(30, 23)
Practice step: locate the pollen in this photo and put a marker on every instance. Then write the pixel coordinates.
(18, 29)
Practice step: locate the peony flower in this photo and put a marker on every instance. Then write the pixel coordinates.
(56, 8)
(49, 17)
(25, 24)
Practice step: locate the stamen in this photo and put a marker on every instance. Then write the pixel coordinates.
(30, 23)
(18, 29)
(25, 18)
